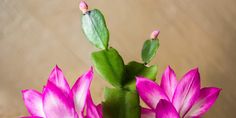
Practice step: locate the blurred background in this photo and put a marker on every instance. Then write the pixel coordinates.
(35, 35)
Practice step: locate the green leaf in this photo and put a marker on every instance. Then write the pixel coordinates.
(134, 69)
(121, 103)
(149, 50)
(95, 29)
(109, 64)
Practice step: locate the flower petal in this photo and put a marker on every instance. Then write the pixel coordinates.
(169, 82)
(165, 109)
(33, 102)
(57, 78)
(150, 92)
(56, 104)
(99, 108)
(205, 100)
(147, 113)
(92, 111)
(187, 92)
(80, 91)
(31, 117)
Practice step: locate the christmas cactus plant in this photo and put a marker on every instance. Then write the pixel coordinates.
(170, 99)
(121, 101)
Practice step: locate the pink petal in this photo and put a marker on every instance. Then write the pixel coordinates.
(56, 104)
(166, 110)
(147, 113)
(57, 78)
(99, 108)
(187, 92)
(92, 111)
(169, 82)
(33, 102)
(80, 91)
(150, 92)
(206, 99)
(31, 117)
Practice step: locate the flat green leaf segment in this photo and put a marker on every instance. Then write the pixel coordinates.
(134, 69)
(95, 29)
(149, 50)
(122, 101)
(110, 65)
(121, 104)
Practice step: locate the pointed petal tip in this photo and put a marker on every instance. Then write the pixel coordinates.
(169, 70)
(217, 89)
(169, 67)
(187, 91)
(44, 88)
(91, 69)
(23, 91)
(57, 67)
(206, 99)
(57, 78)
(33, 102)
(30, 91)
(169, 82)
(138, 78)
(214, 89)
(80, 90)
(196, 69)
(89, 73)
(194, 72)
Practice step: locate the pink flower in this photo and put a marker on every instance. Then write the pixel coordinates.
(57, 100)
(173, 99)
(154, 34)
(83, 7)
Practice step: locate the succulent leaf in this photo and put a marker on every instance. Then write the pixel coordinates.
(110, 65)
(134, 69)
(95, 29)
(149, 50)
(120, 103)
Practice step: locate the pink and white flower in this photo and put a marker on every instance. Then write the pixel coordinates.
(57, 100)
(176, 99)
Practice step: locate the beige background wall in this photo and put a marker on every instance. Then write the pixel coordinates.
(37, 34)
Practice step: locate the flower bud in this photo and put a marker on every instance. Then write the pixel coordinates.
(83, 7)
(154, 34)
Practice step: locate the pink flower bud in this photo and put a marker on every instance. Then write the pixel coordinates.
(83, 7)
(154, 34)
